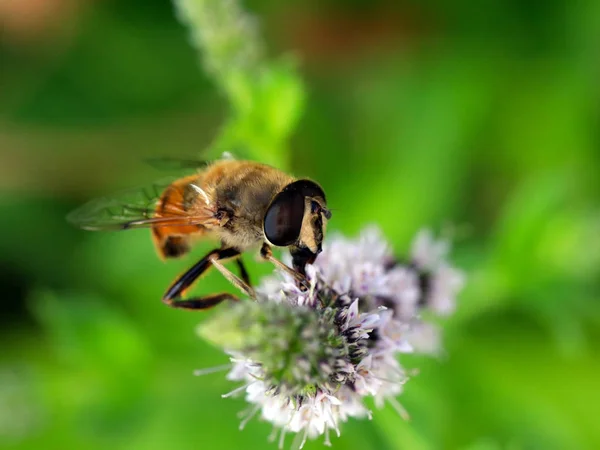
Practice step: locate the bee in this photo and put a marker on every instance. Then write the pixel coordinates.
(244, 204)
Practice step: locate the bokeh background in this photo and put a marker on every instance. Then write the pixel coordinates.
(477, 119)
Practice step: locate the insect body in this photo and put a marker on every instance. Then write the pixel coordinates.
(244, 204)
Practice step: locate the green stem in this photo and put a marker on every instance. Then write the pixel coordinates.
(265, 96)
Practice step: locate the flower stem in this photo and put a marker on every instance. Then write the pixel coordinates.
(266, 96)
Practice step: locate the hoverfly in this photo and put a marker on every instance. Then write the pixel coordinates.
(243, 204)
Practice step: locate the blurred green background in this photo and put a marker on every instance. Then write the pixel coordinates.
(483, 118)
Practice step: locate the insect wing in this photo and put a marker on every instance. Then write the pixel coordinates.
(135, 208)
(167, 164)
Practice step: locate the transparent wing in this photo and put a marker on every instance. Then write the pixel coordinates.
(176, 164)
(136, 208)
(167, 163)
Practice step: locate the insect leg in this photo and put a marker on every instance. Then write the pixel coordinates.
(196, 303)
(243, 271)
(173, 296)
(267, 254)
(233, 278)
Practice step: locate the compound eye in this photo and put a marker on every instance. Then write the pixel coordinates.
(283, 220)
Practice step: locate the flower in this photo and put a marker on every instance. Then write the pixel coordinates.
(227, 36)
(308, 357)
(442, 281)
